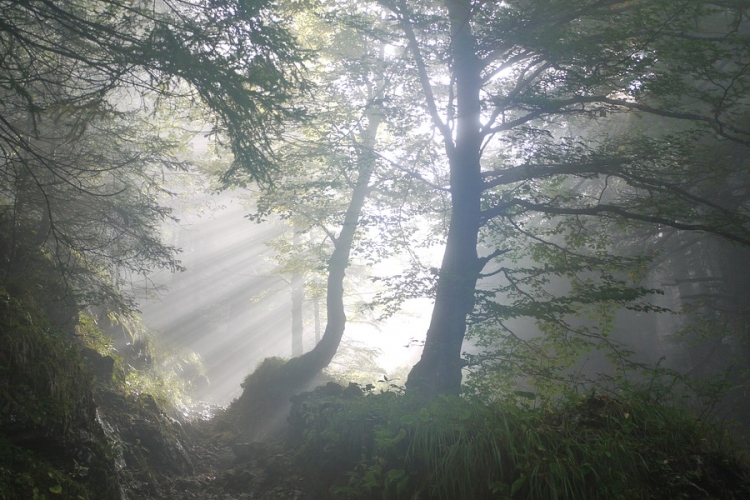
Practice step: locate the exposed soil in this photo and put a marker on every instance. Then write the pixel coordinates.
(262, 471)
(219, 469)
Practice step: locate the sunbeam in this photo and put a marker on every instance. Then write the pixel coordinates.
(231, 308)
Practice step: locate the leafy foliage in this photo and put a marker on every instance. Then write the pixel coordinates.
(590, 447)
(101, 47)
(43, 382)
(50, 442)
(92, 94)
(22, 475)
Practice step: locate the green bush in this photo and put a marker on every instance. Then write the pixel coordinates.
(50, 444)
(594, 447)
(42, 380)
(25, 476)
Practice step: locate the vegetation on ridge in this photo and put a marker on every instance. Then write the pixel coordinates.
(594, 446)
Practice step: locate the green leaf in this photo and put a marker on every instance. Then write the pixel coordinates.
(395, 474)
(424, 415)
(55, 489)
(408, 420)
(517, 485)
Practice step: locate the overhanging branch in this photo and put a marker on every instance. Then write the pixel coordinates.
(525, 172)
(604, 210)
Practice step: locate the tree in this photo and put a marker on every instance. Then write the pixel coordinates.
(297, 283)
(331, 163)
(515, 72)
(82, 85)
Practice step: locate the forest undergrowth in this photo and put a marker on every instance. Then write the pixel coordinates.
(594, 446)
(356, 442)
(82, 421)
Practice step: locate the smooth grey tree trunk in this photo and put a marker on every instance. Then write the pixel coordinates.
(309, 364)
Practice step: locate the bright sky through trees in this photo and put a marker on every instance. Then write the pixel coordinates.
(232, 306)
(499, 130)
(520, 140)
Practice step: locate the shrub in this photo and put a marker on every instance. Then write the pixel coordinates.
(594, 447)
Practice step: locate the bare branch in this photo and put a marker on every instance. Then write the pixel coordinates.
(527, 172)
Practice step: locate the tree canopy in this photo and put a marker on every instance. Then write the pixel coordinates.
(509, 86)
(581, 165)
(89, 89)
(522, 136)
(525, 135)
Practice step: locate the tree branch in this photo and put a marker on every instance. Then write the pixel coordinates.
(526, 172)
(600, 210)
(483, 261)
(424, 78)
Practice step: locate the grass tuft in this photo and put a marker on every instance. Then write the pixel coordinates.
(592, 447)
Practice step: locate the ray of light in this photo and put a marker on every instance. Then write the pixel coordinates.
(232, 310)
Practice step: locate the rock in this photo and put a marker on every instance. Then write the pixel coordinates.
(102, 367)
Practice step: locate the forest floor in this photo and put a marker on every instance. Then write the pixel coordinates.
(252, 471)
(226, 471)
(223, 468)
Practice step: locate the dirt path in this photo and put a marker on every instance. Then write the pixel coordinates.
(249, 471)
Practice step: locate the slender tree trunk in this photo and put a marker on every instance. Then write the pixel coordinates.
(266, 393)
(297, 296)
(439, 369)
(268, 389)
(309, 364)
(316, 318)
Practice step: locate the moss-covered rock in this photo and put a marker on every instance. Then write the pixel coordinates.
(261, 410)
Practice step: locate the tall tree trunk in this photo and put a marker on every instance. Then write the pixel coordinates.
(268, 389)
(439, 369)
(316, 318)
(297, 296)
